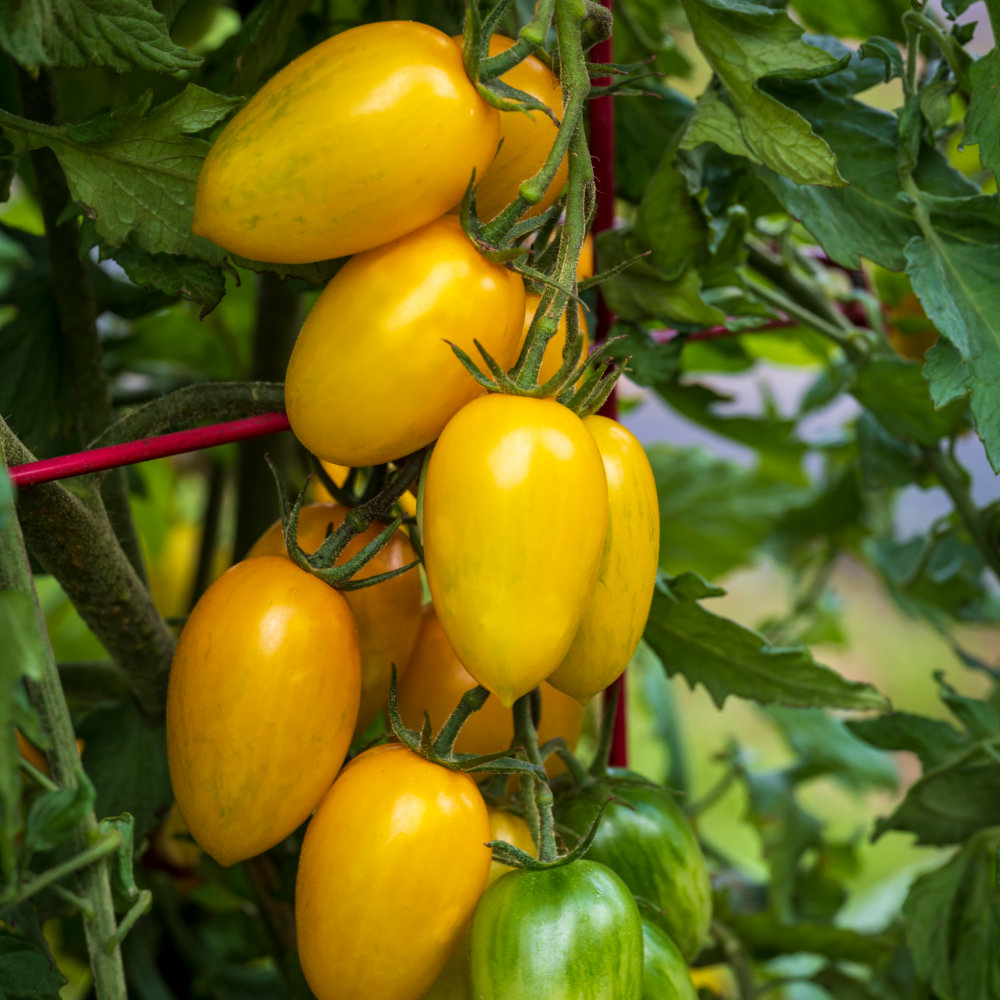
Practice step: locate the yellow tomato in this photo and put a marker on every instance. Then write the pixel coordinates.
(585, 265)
(362, 139)
(262, 701)
(527, 139)
(511, 554)
(387, 614)
(371, 377)
(392, 866)
(616, 611)
(435, 681)
(552, 359)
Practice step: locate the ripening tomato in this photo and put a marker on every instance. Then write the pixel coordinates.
(435, 681)
(362, 139)
(552, 359)
(616, 611)
(527, 138)
(390, 311)
(566, 933)
(909, 330)
(511, 554)
(387, 614)
(34, 756)
(262, 701)
(392, 866)
(665, 974)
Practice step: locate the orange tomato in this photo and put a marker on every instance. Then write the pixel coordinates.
(435, 681)
(387, 614)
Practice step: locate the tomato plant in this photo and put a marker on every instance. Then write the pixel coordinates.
(263, 698)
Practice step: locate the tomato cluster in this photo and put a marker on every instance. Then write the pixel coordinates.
(539, 533)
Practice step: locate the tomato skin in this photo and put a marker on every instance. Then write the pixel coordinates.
(362, 139)
(527, 139)
(552, 359)
(387, 614)
(435, 681)
(646, 838)
(665, 975)
(561, 933)
(616, 612)
(510, 581)
(389, 311)
(391, 868)
(585, 265)
(261, 704)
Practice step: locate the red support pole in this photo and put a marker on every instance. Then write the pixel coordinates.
(602, 151)
(131, 452)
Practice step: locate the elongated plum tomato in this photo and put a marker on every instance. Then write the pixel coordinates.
(509, 578)
(435, 681)
(392, 866)
(560, 933)
(552, 359)
(527, 138)
(453, 982)
(262, 701)
(387, 614)
(391, 310)
(362, 139)
(616, 611)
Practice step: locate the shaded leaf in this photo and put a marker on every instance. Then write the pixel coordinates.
(76, 34)
(53, 816)
(729, 659)
(874, 17)
(27, 971)
(932, 740)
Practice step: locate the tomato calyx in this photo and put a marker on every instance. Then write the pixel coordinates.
(440, 749)
(321, 562)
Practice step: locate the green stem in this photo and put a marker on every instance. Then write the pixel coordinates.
(912, 51)
(807, 318)
(541, 794)
(736, 959)
(529, 38)
(949, 474)
(84, 859)
(90, 865)
(472, 701)
(947, 46)
(40, 778)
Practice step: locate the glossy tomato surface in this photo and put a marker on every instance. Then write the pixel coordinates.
(566, 933)
(552, 359)
(453, 982)
(371, 377)
(511, 553)
(527, 138)
(263, 697)
(387, 614)
(646, 838)
(665, 974)
(435, 681)
(362, 139)
(392, 866)
(618, 607)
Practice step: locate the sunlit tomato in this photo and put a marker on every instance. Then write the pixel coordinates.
(560, 933)
(453, 982)
(390, 311)
(362, 139)
(552, 359)
(262, 701)
(527, 138)
(511, 553)
(616, 612)
(387, 613)
(435, 681)
(392, 866)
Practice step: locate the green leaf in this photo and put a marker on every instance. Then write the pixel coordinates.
(855, 20)
(729, 659)
(956, 7)
(77, 34)
(894, 391)
(27, 971)
(718, 512)
(932, 740)
(958, 284)
(953, 923)
(134, 173)
(745, 42)
(121, 866)
(53, 816)
(177, 276)
(869, 218)
(885, 460)
(888, 52)
(824, 745)
(126, 758)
